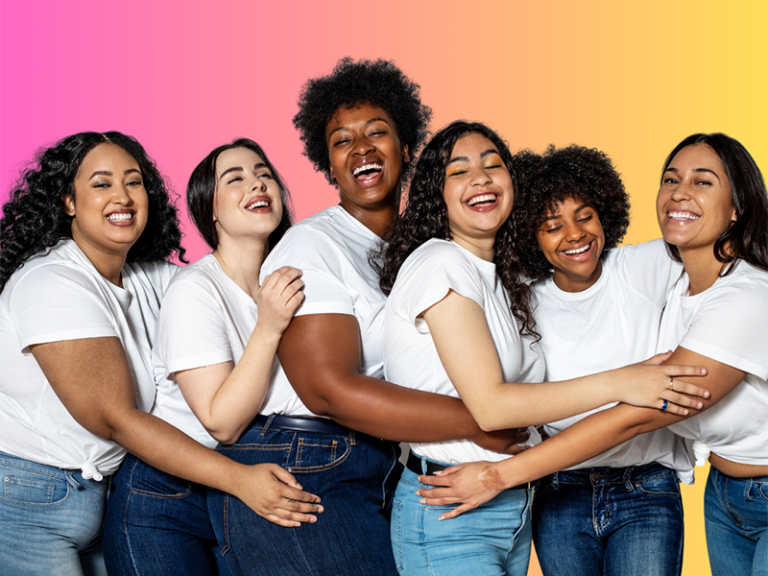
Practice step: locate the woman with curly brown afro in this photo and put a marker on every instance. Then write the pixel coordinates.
(328, 409)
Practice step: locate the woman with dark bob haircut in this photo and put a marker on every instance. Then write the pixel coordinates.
(215, 348)
(456, 292)
(83, 243)
(574, 213)
(713, 213)
(328, 408)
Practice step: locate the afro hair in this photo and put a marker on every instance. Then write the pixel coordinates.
(585, 174)
(380, 83)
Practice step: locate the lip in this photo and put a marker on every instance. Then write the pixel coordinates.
(370, 179)
(581, 256)
(483, 207)
(121, 223)
(681, 217)
(261, 209)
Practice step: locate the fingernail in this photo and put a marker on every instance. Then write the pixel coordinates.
(312, 520)
(423, 501)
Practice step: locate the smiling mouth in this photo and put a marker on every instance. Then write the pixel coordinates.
(577, 251)
(482, 200)
(366, 171)
(682, 216)
(258, 204)
(120, 216)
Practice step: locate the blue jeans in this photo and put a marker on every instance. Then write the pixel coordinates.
(612, 521)
(736, 517)
(492, 539)
(50, 520)
(157, 524)
(351, 474)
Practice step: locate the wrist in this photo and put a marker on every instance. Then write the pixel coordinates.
(267, 335)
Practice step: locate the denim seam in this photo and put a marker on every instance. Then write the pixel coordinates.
(39, 505)
(226, 547)
(310, 469)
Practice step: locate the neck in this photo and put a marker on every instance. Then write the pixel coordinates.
(577, 284)
(108, 264)
(378, 219)
(702, 267)
(241, 260)
(483, 248)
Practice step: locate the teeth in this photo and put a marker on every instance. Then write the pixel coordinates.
(258, 204)
(482, 198)
(365, 167)
(682, 216)
(120, 217)
(578, 250)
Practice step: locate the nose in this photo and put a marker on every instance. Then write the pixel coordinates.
(121, 195)
(479, 177)
(573, 232)
(680, 192)
(362, 146)
(258, 184)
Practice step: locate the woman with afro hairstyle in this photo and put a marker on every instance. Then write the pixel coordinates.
(328, 408)
(712, 208)
(217, 335)
(458, 322)
(83, 246)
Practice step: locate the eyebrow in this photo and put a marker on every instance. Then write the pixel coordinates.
(371, 121)
(707, 170)
(256, 166)
(558, 215)
(466, 159)
(108, 173)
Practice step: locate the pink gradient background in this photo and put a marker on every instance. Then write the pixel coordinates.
(630, 79)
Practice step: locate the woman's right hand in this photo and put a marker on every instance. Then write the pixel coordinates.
(653, 384)
(279, 296)
(274, 494)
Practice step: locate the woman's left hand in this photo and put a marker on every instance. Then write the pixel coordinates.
(470, 485)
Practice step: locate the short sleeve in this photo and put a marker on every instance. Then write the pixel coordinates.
(324, 270)
(647, 269)
(55, 303)
(730, 326)
(429, 274)
(192, 331)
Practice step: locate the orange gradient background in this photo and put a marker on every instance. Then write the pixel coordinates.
(632, 79)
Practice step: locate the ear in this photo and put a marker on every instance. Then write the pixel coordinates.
(332, 173)
(406, 155)
(69, 204)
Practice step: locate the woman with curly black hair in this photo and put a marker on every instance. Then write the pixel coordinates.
(457, 292)
(83, 244)
(328, 407)
(713, 213)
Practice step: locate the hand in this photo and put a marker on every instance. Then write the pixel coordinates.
(647, 384)
(470, 484)
(503, 441)
(278, 297)
(274, 494)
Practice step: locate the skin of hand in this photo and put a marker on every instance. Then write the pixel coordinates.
(320, 354)
(460, 330)
(92, 379)
(226, 398)
(582, 441)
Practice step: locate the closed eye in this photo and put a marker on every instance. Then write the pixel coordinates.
(235, 179)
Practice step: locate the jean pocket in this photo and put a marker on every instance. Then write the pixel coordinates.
(666, 485)
(32, 489)
(149, 481)
(318, 452)
(761, 489)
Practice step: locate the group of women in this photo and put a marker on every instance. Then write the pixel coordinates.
(246, 410)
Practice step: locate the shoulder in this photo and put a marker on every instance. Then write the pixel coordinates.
(746, 287)
(436, 254)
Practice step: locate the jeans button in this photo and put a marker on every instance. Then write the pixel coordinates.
(595, 476)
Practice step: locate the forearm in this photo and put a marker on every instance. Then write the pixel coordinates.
(240, 396)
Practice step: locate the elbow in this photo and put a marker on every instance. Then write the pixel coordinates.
(488, 423)
(226, 437)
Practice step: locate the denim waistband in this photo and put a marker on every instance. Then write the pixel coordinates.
(606, 475)
(300, 424)
(74, 478)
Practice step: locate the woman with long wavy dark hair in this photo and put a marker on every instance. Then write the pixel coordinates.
(458, 322)
(712, 208)
(83, 246)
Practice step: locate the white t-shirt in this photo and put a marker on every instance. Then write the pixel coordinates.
(206, 319)
(331, 248)
(613, 323)
(58, 296)
(728, 323)
(410, 357)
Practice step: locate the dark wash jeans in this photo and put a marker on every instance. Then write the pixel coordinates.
(353, 474)
(158, 525)
(609, 521)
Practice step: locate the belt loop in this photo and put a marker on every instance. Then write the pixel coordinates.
(266, 426)
(628, 478)
(556, 481)
(352, 437)
(747, 489)
(71, 480)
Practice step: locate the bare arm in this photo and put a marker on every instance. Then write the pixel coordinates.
(320, 354)
(225, 398)
(467, 351)
(92, 379)
(478, 482)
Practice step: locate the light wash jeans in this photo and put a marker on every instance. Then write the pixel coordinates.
(50, 520)
(736, 518)
(609, 521)
(492, 540)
